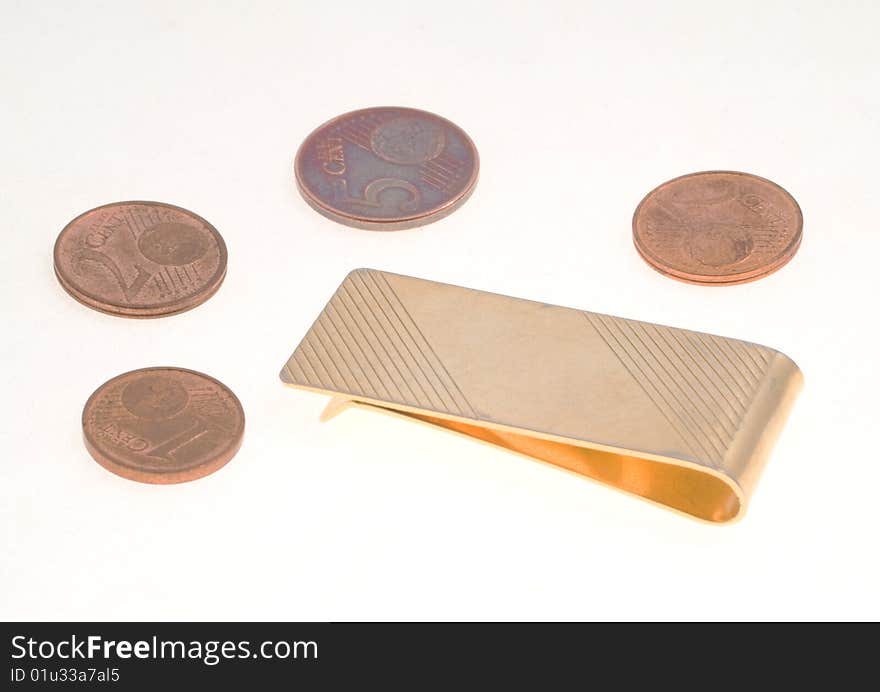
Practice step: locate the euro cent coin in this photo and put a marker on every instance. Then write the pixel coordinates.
(386, 169)
(717, 228)
(140, 259)
(163, 425)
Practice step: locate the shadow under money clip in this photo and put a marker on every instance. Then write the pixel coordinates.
(683, 419)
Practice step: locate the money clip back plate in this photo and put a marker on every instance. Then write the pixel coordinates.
(681, 418)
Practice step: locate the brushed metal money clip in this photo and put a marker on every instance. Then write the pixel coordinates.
(683, 419)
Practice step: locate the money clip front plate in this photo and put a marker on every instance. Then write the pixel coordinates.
(681, 418)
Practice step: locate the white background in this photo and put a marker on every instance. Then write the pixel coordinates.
(578, 109)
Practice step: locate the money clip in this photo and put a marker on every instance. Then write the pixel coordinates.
(681, 418)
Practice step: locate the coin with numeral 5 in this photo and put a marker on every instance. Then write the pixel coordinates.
(386, 169)
(140, 259)
(163, 425)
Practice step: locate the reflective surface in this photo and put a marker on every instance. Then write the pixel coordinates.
(682, 418)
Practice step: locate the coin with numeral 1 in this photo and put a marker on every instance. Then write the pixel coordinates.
(386, 169)
(163, 425)
(140, 259)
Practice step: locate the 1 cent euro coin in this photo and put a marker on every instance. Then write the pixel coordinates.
(163, 425)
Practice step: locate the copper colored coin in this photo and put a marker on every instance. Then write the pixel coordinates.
(140, 259)
(717, 228)
(163, 425)
(385, 169)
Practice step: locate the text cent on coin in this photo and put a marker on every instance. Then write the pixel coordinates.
(140, 259)
(163, 425)
(717, 227)
(386, 169)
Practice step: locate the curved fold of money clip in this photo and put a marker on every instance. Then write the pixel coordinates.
(681, 418)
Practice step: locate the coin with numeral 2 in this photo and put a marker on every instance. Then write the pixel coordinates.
(140, 259)
(163, 425)
(386, 169)
(717, 228)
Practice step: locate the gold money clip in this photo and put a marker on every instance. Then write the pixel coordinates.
(680, 418)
